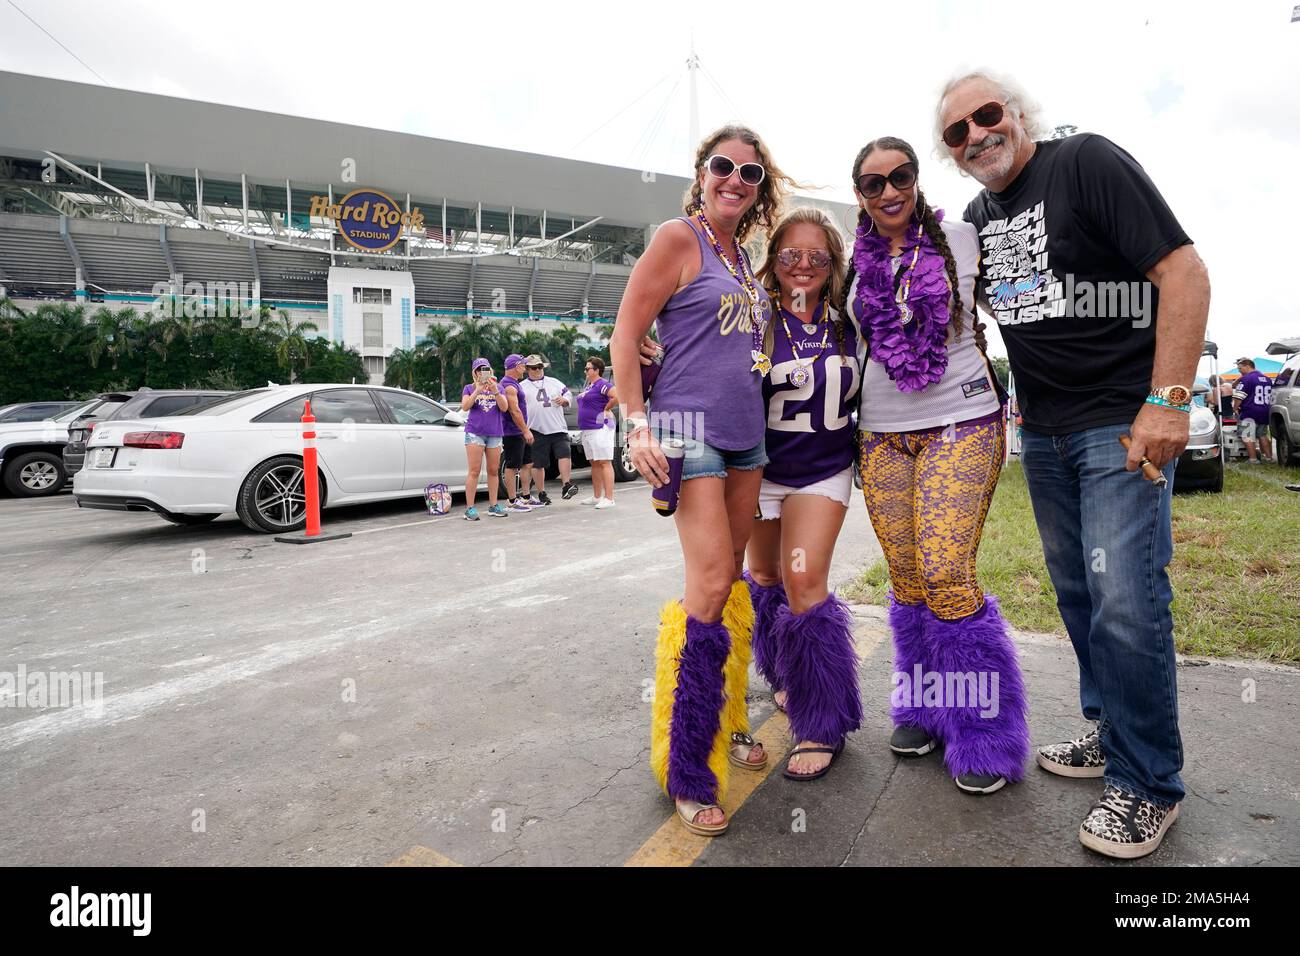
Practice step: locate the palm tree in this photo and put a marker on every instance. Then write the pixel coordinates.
(112, 335)
(400, 370)
(566, 338)
(534, 341)
(291, 336)
(472, 337)
(434, 349)
(504, 337)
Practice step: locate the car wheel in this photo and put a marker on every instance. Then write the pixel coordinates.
(1284, 448)
(35, 475)
(272, 499)
(623, 470)
(190, 519)
(1216, 483)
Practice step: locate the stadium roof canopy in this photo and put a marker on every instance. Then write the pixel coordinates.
(142, 186)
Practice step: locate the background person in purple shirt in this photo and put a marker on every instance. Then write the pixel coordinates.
(1251, 400)
(486, 406)
(597, 425)
(803, 636)
(694, 284)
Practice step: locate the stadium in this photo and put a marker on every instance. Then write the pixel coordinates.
(122, 198)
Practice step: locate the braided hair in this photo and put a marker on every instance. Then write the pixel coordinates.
(931, 226)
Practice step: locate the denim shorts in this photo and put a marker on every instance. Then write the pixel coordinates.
(487, 441)
(705, 461)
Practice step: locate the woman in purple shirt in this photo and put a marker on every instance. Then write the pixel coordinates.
(695, 284)
(803, 635)
(486, 405)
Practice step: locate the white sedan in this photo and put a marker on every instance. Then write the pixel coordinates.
(243, 454)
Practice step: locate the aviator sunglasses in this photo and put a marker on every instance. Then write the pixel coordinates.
(791, 257)
(751, 174)
(988, 115)
(901, 177)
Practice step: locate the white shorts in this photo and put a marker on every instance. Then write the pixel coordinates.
(838, 487)
(598, 444)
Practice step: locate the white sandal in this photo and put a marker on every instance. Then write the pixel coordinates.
(688, 810)
(738, 754)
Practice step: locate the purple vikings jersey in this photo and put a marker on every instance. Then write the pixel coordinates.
(591, 404)
(809, 433)
(1257, 392)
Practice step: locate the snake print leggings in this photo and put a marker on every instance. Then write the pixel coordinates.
(928, 493)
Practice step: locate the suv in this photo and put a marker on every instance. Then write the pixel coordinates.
(1284, 413)
(146, 403)
(34, 411)
(31, 453)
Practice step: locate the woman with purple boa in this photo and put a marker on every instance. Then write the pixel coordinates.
(931, 446)
(803, 638)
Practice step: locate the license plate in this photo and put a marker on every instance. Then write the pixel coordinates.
(102, 457)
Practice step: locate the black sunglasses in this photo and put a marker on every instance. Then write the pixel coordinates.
(990, 114)
(901, 177)
(751, 174)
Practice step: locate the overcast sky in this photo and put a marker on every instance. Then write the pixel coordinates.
(1205, 95)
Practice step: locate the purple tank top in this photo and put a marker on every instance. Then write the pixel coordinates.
(484, 416)
(706, 389)
(809, 427)
(508, 426)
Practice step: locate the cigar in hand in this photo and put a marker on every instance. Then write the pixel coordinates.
(1149, 471)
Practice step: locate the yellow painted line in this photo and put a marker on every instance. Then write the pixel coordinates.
(674, 845)
(423, 856)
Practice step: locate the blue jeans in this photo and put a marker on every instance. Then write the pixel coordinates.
(1107, 540)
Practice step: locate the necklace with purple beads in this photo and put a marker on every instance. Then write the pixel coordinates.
(762, 364)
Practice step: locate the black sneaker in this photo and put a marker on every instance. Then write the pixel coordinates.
(569, 490)
(980, 782)
(544, 498)
(1123, 825)
(911, 741)
(1075, 758)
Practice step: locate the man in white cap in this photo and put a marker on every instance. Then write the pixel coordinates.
(546, 399)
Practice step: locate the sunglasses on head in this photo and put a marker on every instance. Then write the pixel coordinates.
(751, 174)
(901, 177)
(791, 257)
(988, 115)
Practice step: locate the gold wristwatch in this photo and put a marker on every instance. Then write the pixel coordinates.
(1171, 396)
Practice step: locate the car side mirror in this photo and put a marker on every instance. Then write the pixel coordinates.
(455, 419)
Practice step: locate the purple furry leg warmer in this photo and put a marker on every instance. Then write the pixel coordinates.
(982, 720)
(910, 653)
(697, 711)
(816, 659)
(766, 601)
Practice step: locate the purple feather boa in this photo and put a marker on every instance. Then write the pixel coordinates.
(914, 355)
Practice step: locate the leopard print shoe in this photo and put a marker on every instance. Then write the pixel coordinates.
(1075, 758)
(1123, 825)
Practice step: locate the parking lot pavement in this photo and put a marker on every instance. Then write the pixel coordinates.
(435, 691)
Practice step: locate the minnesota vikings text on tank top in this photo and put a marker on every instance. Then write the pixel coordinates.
(809, 431)
(706, 390)
(484, 415)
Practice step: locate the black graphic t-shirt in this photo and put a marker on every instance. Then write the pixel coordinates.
(1064, 253)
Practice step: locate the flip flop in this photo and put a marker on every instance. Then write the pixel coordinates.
(778, 704)
(833, 751)
(741, 745)
(687, 810)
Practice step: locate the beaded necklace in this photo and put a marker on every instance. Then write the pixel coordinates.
(802, 373)
(762, 364)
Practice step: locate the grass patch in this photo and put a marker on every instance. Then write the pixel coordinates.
(1236, 567)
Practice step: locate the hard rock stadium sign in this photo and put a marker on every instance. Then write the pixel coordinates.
(368, 219)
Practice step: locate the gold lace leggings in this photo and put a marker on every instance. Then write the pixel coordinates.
(928, 493)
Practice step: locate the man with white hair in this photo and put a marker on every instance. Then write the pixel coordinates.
(1102, 303)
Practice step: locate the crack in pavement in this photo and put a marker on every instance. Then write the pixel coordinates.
(875, 803)
(606, 784)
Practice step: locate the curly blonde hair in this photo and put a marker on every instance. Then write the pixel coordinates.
(772, 191)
